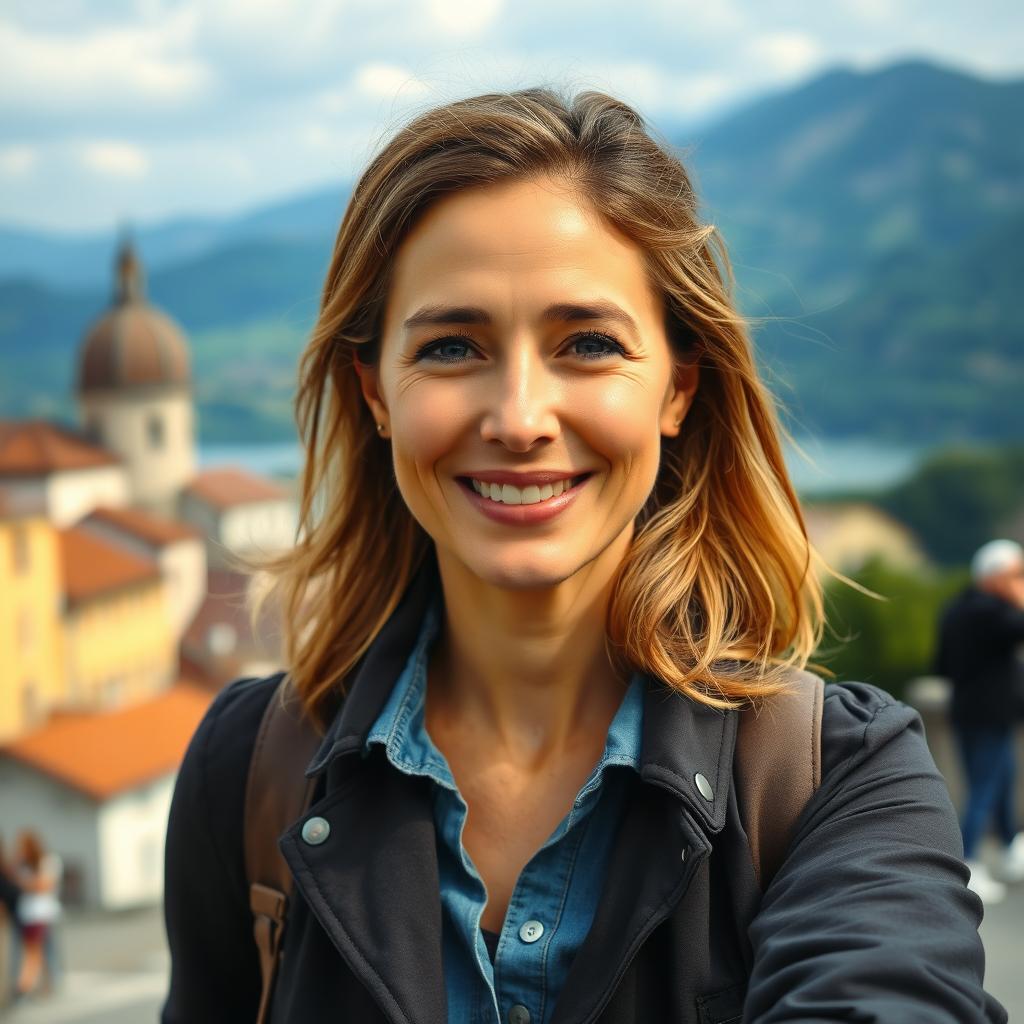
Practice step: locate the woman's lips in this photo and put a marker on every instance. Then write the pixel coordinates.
(520, 514)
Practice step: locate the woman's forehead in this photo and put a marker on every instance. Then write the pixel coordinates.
(531, 241)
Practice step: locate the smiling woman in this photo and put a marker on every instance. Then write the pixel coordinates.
(546, 621)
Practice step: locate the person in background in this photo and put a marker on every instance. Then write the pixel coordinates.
(979, 633)
(38, 874)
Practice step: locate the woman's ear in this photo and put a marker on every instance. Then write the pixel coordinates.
(369, 384)
(679, 397)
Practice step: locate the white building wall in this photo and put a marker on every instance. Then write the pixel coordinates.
(73, 494)
(266, 526)
(132, 831)
(122, 422)
(64, 497)
(183, 567)
(67, 821)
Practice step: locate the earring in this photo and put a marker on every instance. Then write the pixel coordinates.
(380, 429)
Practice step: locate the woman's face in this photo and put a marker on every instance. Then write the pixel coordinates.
(525, 380)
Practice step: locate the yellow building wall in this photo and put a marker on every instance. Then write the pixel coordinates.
(121, 647)
(32, 677)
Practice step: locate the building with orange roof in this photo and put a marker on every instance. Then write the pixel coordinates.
(179, 550)
(98, 786)
(240, 514)
(56, 472)
(120, 644)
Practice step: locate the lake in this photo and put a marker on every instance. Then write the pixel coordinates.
(823, 466)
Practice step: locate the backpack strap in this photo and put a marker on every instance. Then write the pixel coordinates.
(778, 768)
(285, 743)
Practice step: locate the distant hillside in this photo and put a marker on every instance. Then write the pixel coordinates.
(875, 220)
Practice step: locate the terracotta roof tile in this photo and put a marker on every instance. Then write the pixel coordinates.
(228, 485)
(153, 530)
(102, 754)
(92, 566)
(38, 448)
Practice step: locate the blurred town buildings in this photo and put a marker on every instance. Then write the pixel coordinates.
(122, 600)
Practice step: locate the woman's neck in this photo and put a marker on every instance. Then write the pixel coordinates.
(525, 671)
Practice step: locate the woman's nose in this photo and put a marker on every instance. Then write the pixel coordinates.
(521, 409)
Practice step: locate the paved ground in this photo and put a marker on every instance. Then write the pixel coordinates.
(116, 968)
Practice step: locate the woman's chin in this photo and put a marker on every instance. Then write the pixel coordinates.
(519, 571)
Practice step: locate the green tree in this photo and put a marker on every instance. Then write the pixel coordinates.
(889, 639)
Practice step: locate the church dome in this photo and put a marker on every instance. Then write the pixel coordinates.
(133, 345)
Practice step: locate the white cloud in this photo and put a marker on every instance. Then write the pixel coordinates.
(464, 17)
(388, 81)
(114, 159)
(785, 53)
(151, 63)
(17, 160)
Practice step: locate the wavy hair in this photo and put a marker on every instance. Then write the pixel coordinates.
(718, 595)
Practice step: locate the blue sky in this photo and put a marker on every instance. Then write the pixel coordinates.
(146, 109)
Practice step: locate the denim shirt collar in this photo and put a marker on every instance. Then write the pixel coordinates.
(681, 738)
(401, 729)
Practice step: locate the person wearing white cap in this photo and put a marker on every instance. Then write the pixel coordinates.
(979, 636)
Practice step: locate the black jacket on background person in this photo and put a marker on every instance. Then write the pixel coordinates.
(979, 634)
(9, 895)
(868, 918)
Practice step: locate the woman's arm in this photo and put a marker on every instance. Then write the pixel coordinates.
(869, 917)
(215, 973)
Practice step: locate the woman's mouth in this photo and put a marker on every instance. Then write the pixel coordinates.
(535, 498)
(531, 494)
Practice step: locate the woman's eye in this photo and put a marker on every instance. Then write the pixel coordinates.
(593, 345)
(446, 350)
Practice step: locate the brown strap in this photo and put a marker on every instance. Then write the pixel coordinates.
(277, 792)
(778, 768)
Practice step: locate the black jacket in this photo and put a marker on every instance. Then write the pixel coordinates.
(868, 919)
(979, 635)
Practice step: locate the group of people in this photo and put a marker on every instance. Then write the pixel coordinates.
(980, 635)
(29, 907)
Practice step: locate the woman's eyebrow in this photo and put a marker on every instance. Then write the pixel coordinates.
(566, 312)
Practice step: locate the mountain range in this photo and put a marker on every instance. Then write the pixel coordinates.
(875, 222)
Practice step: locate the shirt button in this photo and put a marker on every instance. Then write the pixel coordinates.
(704, 786)
(315, 831)
(519, 1014)
(531, 932)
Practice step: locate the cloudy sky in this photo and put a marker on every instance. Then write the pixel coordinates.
(147, 109)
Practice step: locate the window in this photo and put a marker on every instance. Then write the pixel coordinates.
(26, 633)
(155, 431)
(20, 550)
(30, 708)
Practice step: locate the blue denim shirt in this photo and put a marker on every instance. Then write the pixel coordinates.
(556, 895)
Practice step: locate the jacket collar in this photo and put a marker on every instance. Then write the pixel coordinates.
(681, 738)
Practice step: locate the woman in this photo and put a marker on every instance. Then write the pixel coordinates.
(38, 876)
(549, 556)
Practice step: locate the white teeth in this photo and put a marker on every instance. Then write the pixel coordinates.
(509, 494)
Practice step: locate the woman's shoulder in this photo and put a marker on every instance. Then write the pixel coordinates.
(212, 778)
(861, 721)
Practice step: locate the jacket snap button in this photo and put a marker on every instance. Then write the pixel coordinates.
(531, 931)
(704, 786)
(315, 831)
(519, 1014)
(683, 854)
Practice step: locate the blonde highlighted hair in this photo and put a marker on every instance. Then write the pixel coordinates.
(718, 595)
